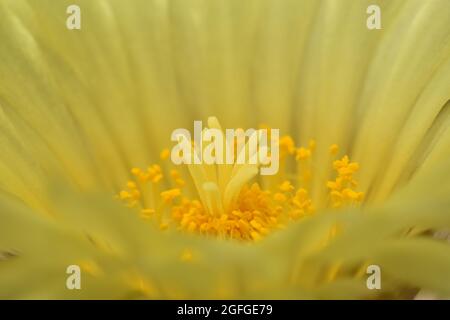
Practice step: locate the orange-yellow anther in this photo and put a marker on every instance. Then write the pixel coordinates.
(123, 195)
(130, 196)
(334, 148)
(131, 185)
(286, 186)
(165, 154)
(341, 192)
(302, 204)
(302, 153)
(280, 197)
(171, 194)
(147, 213)
(176, 176)
(154, 173)
(140, 175)
(287, 146)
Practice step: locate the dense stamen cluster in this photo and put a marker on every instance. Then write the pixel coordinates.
(252, 217)
(253, 212)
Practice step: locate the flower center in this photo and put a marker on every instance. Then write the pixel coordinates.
(223, 201)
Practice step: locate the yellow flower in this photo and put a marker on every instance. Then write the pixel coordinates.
(85, 123)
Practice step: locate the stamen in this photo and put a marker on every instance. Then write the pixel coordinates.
(341, 192)
(169, 195)
(164, 155)
(334, 148)
(302, 154)
(227, 205)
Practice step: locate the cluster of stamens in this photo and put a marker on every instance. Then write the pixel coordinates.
(254, 213)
